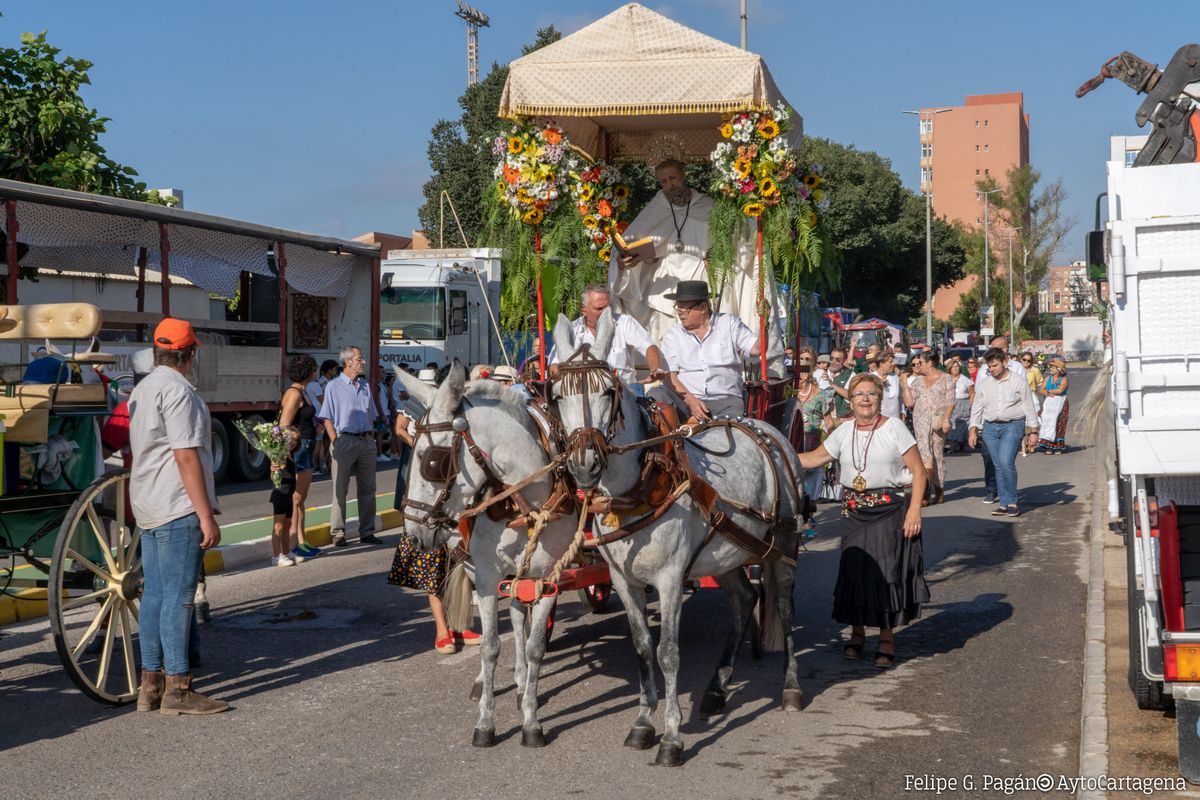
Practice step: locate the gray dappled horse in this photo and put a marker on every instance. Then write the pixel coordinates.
(445, 479)
(604, 425)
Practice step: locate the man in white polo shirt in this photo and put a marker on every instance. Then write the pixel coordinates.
(174, 501)
(628, 335)
(983, 376)
(705, 353)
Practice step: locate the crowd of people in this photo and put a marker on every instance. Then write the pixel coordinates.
(871, 432)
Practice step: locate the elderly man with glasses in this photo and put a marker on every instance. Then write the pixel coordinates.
(705, 352)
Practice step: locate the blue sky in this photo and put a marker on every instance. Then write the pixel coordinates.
(315, 115)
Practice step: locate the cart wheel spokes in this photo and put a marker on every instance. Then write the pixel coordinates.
(94, 589)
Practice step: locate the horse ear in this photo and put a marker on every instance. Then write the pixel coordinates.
(564, 338)
(449, 395)
(416, 388)
(606, 327)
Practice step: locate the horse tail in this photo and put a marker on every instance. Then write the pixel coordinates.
(771, 628)
(456, 594)
(1095, 405)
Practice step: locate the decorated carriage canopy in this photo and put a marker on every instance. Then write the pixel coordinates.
(79, 232)
(637, 86)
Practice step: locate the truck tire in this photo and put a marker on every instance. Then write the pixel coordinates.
(220, 451)
(1148, 693)
(246, 463)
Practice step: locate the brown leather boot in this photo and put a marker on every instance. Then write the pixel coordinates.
(151, 691)
(180, 699)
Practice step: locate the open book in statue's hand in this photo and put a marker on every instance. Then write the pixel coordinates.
(642, 248)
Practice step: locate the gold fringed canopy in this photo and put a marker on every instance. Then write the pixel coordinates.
(634, 75)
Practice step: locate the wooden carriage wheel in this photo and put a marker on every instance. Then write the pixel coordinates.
(94, 589)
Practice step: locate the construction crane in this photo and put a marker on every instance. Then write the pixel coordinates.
(474, 19)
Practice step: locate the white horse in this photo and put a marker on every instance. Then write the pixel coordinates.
(476, 440)
(755, 475)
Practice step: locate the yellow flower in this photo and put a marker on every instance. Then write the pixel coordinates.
(585, 192)
(818, 196)
(533, 216)
(515, 145)
(742, 166)
(726, 130)
(621, 191)
(753, 209)
(590, 221)
(812, 180)
(768, 128)
(605, 252)
(766, 187)
(764, 168)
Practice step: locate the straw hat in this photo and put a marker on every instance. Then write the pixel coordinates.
(428, 375)
(505, 373)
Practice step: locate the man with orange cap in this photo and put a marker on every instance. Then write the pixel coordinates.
(174, 501)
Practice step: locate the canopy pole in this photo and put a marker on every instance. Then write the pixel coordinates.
(164, 250)
(764, 399)
(11, 227)
(281, 269)
(541, 320)
(141, 291)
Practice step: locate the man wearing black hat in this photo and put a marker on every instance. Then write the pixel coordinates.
(705, 353)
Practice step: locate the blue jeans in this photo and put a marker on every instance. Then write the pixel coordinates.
(1002, 440)
(170, 566)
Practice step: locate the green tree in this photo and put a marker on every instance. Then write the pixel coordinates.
(48, 134)
(878, 229)
(1043, 225)
(461, 159)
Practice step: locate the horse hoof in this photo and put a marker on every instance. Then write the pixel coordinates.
(670, 754)
(477, 690)
(712, 703)
(793, 699)
(484, 737)
(533, 738)
(641, 737)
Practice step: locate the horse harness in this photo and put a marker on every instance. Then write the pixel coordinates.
(667, 471)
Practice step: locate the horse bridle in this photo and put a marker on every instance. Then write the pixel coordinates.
(578, 375)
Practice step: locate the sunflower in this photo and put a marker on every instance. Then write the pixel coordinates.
(742, 167)
(621, 191)
(590, 221)
(768, 128)
(552, 135)
(812, 180)
(753, 209)
(534, 216)
(515, 145)
(586, 192)
(726, 131)
(605, 252)
(767, 187)
(605, 208)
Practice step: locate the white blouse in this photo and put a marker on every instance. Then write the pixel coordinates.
(962, 388)
(889, 404)
(884, 456)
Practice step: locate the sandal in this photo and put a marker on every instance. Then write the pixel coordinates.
(885, 660)
(445, 646)
(853, 650)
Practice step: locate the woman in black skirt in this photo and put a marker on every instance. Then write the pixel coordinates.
(881, 577)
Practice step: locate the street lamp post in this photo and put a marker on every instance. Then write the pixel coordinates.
(1012, 314)
(927, 188)
(987, 264)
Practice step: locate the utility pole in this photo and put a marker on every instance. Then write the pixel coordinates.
(987, 264)
(927, 188)
(1012, 314)
(744, 24)
(475, 19)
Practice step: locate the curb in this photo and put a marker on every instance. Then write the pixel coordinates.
(1093, 738)
(30, 604)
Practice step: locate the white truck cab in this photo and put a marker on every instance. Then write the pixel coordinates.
(434, 305)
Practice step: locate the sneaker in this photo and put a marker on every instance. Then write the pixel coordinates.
(1000, 511)
(384, 458)
(282, 561)
(309, 551)
(467, 637)
(991, 498)
(339, 540)
(297, 555)
(1013, 511)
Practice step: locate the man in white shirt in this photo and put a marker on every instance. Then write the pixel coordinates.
(628, 336)
(705, 353)
(981, 377)
(1004, 412)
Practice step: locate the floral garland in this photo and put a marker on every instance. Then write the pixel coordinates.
(757, 175)
(532, 171)
(601, 198)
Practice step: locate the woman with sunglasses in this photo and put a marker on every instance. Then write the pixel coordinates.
(881, 575)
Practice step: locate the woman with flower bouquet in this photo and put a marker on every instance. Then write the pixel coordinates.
(277, 442)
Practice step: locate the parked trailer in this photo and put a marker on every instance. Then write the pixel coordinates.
(331, 298)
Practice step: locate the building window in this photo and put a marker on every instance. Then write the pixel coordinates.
(976, 123)
(987, 172)
(985, 123)
(926, 126)
(976, 172)
(976, 148)
(926, 150)
(1130, 157)
(987, 147)
(926, 175)
(1058, 298)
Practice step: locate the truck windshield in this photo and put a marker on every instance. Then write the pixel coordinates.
(412, 312)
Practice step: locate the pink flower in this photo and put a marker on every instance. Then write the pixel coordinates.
(747, 187)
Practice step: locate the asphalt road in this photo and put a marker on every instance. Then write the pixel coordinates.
(337, 691)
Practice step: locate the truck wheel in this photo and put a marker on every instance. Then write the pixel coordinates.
(1148, 693)
(220, 451)
(245, 462)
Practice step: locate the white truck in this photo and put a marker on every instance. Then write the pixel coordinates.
(435, 305)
